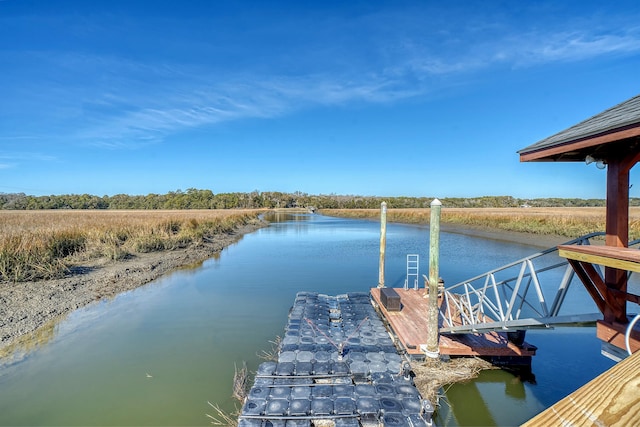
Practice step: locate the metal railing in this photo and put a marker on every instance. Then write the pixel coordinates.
(413, 268)
(489, 302)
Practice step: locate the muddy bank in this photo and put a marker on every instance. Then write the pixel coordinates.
(27, 306)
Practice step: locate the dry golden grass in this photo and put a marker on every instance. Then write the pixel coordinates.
(433, 374)
(42, 244)
(567, 222)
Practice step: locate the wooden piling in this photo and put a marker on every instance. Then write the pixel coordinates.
(433, 349)
(383, 242)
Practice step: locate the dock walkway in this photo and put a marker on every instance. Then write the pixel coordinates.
(337, 365)
(410, 326)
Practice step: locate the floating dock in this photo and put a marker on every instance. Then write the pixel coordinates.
(337, 366)
(407, 318)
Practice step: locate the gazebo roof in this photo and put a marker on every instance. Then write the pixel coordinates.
(613, 132)
(612, 137)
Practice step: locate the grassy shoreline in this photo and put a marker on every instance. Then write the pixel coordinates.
(566, 223)
(40, 245)
(109, 252)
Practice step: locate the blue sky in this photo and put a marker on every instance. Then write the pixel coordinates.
(385, 98)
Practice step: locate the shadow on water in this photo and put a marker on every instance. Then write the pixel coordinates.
(567, 358)
(495, 398)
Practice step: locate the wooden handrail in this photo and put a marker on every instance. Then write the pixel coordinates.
(609, 256)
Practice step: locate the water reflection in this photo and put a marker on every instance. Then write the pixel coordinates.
(284, 222)
(21, 347)
(287, 217)
(495, 398)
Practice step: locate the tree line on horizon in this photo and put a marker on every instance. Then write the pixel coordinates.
(205, 199)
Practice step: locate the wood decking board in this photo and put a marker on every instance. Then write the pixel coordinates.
(611, 399)
(410, 326)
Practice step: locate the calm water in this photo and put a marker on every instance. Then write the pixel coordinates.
(158, 354)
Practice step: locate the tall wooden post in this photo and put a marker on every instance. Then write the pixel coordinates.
(383, 242)
(617, 231)
(433, 349)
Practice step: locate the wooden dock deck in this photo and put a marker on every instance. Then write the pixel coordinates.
(410, 326)
(611, 399)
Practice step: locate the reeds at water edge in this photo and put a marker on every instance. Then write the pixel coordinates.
(38, 245)
(566, 222)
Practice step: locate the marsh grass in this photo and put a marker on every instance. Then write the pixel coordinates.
(272, 353)
(38, 245)
(433, 375)
(240, 382)
(222, 417)
(566, 222)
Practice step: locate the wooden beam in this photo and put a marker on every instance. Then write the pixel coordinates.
(630, 161)
(610, 301)
(589, 277)
(582, 143)
(613, 333)
(615, 257)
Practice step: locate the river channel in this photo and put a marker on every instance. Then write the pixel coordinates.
(158, 354)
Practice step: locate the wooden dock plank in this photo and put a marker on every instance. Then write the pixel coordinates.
(611, 399)
(410, 326)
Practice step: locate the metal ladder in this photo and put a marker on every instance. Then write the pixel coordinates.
(413, 268)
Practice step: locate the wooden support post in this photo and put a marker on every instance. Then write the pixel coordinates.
(383, 242)
(433, 349)
(617, 234)
(617, 228)
(611, 295)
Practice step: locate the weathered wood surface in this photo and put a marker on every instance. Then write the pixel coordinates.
(410, 325)
(610, 294)
(609, 256)
(613, 333)
(611, 399)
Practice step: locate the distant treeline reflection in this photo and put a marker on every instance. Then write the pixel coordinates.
(206, 199)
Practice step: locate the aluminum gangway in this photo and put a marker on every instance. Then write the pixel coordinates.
(516, 296)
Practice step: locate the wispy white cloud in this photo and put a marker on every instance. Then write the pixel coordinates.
(165, 111)
(254, 97)
(574, 46)
(15, 160)
(117, 102)
(519, 50)
(18, 137)
(11, 158)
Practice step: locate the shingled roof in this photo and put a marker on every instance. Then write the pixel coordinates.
(611, 132)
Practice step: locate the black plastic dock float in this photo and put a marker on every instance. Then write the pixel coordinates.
(338, 366)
